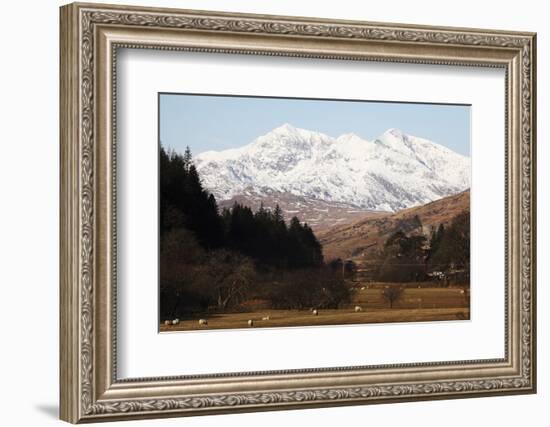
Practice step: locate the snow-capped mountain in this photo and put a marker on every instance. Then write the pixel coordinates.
(393, 172)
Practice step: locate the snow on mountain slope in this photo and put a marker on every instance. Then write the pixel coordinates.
(393, 172)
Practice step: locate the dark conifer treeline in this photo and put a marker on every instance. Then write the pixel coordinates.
(403, 258)
(263, 235)
(411, 257)
(213, 259)
(450, 247)
(184, 203)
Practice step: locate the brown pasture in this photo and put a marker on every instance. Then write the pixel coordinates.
(415, 305)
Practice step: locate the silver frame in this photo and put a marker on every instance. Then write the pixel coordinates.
(90, 37)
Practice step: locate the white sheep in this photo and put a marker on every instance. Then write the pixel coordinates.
(265, 318)
(363, 288)
(167, 322)
(250, 323)
(175, 321)
(203, 322)
(315, 312)
(358, 308)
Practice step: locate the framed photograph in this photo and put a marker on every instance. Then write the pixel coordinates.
(266, 212)
(297, 228)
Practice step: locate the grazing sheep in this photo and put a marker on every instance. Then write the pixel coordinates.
(363, 288)
(462, 291)
(265, 318)
(315, 312)
(250, 323)
(167, 322)
(203, 322)
(175, 321)
(358, 308)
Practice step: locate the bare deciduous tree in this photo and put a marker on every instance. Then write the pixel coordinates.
(227, 276)
(391, 294)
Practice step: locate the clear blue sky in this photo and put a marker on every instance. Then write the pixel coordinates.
(209, 122)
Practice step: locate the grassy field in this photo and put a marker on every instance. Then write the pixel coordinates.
(415, 305)
(412, 297)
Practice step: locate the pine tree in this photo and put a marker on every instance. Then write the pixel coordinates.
(435, 240)
(278, 214)
(184, 202)
(187, 159)
(315, 248)
(193, 182)
(295, 227)
(261, 211)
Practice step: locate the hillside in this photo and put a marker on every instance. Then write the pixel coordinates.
(364, 239)
(318, 214)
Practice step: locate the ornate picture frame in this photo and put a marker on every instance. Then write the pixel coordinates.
(90, 388)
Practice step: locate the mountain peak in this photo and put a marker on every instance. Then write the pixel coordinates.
(289, 135)
(393, 172)
(285, 128)
(394, 132)
(348, 137)
(394, 139)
